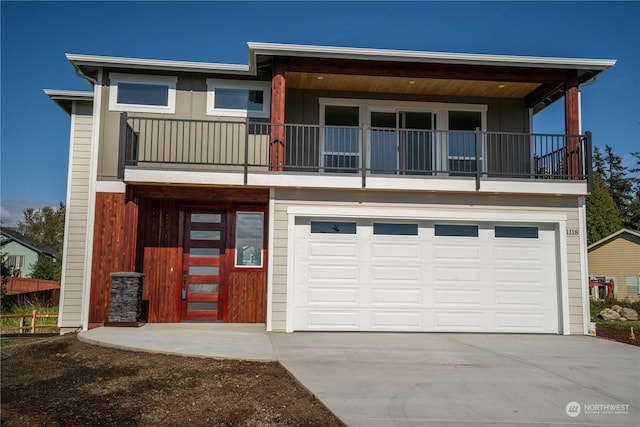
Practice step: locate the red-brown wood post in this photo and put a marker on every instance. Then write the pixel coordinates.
(572, 124)
(130, 230)
(277, 116)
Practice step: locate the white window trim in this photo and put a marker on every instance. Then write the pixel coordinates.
(212, 84)
(169, 81)
(235, 261)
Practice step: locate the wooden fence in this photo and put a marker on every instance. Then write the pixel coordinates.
(30, 328)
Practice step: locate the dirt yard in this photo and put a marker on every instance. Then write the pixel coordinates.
(60, 381)
(620, 335)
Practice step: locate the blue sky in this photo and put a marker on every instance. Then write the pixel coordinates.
(36, 35)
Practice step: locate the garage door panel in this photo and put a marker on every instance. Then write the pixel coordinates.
(457, 274)
(457, 297)
(369, 282)
(396, 251)
(324, 250)
(508, 277)
(396, 296)
(341, 273)
(330, 296)
(457, 253)
(331, 319)
(510, 299)
(396, 320)
(520, 321)
(458, 321)
(517, 255)
(396, 273)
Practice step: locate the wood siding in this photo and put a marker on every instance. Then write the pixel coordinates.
(159, 257)
(161, 287)
(108, 252)
(247, 293)
(75, 236)
(618, 258)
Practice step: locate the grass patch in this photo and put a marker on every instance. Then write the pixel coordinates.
(11, 325)
(615, 324)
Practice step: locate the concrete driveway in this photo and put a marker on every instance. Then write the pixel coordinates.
(373, 379)
(393, 379)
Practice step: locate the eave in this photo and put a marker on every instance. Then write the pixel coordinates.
(65, 98)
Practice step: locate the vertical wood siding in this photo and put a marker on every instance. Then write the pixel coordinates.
(159, 257)
(247, 292)
(108, 252)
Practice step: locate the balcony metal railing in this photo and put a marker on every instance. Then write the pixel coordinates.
(249, 147)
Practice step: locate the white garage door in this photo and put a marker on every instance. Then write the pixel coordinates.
(368, 275)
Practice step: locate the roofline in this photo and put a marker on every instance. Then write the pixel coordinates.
(64, 98)
(614, 235)
(156, 64)
(275, 49)
(45, 250)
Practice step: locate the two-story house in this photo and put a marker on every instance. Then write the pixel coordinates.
(331, 189)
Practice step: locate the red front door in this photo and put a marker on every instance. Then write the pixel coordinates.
(203, 277)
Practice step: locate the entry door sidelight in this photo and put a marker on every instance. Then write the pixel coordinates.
(203, 275)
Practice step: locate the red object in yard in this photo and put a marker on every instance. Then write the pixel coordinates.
(600, 283)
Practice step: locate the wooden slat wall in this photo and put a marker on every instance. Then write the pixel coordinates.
(159, 257)
(108, 252)
(160, 283)
(247, 296)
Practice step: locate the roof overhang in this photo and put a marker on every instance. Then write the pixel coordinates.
(260, 54)
(66, 98)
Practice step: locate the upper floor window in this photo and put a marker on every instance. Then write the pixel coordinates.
(238, 98)
(142, 93)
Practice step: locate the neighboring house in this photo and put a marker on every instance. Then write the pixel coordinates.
(331, 189)
(21, 253)
(617, 257)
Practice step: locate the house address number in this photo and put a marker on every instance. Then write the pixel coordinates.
(572, 232)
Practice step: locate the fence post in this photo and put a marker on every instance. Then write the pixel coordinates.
(33, 321)
(22, 325)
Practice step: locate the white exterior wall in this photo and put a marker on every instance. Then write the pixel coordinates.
(481, 204)
(73, 257)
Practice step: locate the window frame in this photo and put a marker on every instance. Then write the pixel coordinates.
(234, 264)
(455, 236)
(169, 81)
(212, 84)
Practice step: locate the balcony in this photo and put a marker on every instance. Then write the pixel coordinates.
(249, 148)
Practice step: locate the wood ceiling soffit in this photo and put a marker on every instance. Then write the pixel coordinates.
(422, 70)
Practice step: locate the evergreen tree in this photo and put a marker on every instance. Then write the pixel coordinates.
(619, 184)
(46, 268)
(603, 216)
(633, 211)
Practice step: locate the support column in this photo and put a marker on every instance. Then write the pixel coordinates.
(130, 230)
(277, 116)
(572, 124)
